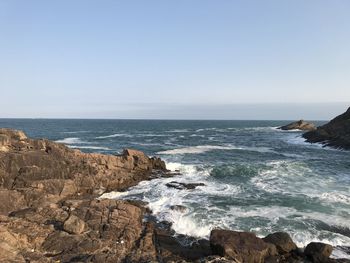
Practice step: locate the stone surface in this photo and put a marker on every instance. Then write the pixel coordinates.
(336, 133)
(282, 241)
(182, 186)
(74, 225)
(318, 252)
(48, 206)
(241, 246)
(299, 125)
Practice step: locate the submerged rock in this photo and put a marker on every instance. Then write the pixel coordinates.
(335, 133)
(182, 186)
(299, 125)
(179, 208)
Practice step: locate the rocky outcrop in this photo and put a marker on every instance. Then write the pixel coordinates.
(335, 133)
(299, 125)
(240, 246)
(48, 206)
(246, 247)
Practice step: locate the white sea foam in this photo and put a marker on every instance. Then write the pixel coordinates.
(178, 130)
(335, 197)
(114, 195)
(206, 148)
(71, 140)
(197, 149)
(114, 136)
(73, 132)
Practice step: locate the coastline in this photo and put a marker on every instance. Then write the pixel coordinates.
(51, 191)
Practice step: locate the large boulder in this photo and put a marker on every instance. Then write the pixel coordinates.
(299, 125)
(282, 241)
(318, 252)
(241, 246)
(335, 133)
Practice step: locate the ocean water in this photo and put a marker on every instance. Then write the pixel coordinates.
(257, 178)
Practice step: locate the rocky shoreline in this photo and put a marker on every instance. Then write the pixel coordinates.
(335, 134)
(50, 212)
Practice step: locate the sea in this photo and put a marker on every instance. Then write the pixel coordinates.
(256, 177)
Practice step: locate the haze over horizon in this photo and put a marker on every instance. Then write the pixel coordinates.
(175, 60)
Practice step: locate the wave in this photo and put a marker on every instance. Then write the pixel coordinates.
(206, 148)
(114, 136)
(333, 197)
(196, 149)
(71, 140)
(178, 130)
(73, 132)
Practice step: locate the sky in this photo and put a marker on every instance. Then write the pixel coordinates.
(183, 59)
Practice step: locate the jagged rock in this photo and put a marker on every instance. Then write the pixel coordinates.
(241, 246)
(335, 133)
(318, 252)
(179, 208)
(282, 241)
(48, 205)
(74, 225)
(299, 125)
(182, 186)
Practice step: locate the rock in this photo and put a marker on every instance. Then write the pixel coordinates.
(179, 208)
(48, 206)
(318, 252)
(10, 200)
(335, 133)
(182, 186)
(241, 246)
(299, 125)
(282, 241)
(172, 250)
(74, 225)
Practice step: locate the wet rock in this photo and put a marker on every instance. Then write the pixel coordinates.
(282, 241)
(241, 246)
(179, 208)
(335, 133)
(172, 250)
(299, 125)
(318, 252)
(182, 186)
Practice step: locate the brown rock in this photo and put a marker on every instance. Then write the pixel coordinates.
(282, 241)
(49, 192)
(241, 246)
(318, 252)
(299, 125)
(74, 225)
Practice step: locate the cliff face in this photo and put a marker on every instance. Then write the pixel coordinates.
(48, 205)
(336, 133)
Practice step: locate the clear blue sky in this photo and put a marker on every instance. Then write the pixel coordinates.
(225, 59)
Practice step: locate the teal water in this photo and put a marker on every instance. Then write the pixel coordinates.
(257, 178)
